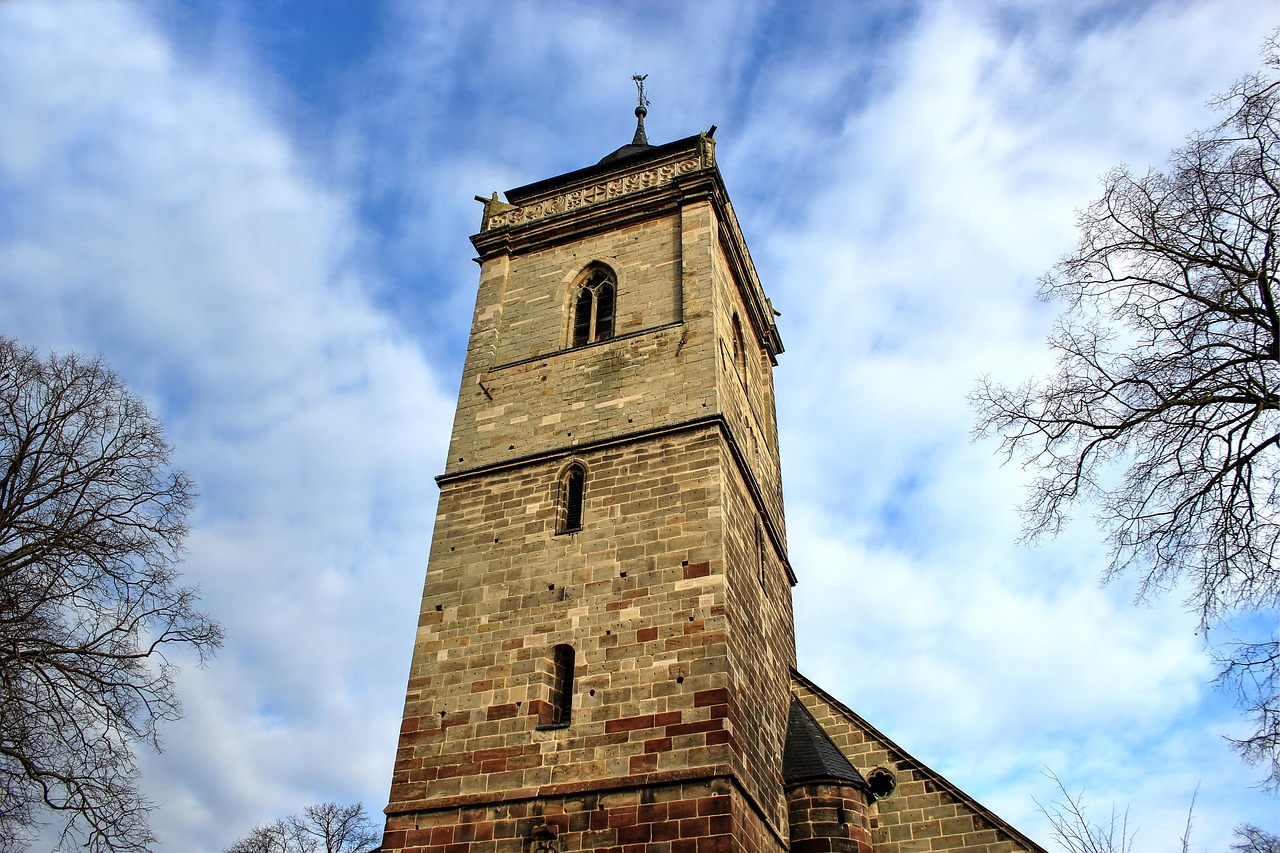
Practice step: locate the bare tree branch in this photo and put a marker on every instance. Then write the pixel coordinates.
(327, 827)
(1250, 839)
(1073, 831)
(92, 518)
(1164, 410)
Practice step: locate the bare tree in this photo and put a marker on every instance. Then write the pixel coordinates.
(327, 827)
(1250, 839)
(267, 838)
(92, 518)
(1075, 834)
(1164, 411)
(1073, 831)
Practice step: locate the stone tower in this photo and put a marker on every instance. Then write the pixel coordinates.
(604, 652)
(605, 657)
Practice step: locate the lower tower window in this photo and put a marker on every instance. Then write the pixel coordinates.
(557, 709)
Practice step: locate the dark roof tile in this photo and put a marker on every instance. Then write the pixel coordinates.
(810, 755)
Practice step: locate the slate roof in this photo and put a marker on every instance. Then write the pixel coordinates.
(810, 755)
(639, 142)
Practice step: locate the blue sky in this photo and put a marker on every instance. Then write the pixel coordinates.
(258, 213)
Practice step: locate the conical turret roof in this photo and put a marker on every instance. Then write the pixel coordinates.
(810, 755)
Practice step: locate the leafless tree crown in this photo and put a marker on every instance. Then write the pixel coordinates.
(92, 518)
(327, 827)
(1164, 411)
(1251, 839)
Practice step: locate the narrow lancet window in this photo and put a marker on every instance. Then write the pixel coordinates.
(570, 509)
(582, 310)
(562, 685)
(760, 553)
(739, 351)
(593, 309)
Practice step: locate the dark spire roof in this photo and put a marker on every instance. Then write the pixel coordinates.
(639, 142)
(810, 755)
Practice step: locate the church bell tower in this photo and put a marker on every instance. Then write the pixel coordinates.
(605, 646)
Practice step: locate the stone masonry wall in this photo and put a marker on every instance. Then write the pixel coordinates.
(926, 812)
(650, 374)
(705, 816)
(538, 295)
(761, 642)
(638, 593)
(828, 818)
(747, 401)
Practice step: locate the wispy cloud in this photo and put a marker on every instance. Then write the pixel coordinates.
(161, 216)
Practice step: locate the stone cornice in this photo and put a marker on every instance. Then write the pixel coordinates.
(595, 193)
(637, 188)
(700, 145)
(578, 210)
(692, 774)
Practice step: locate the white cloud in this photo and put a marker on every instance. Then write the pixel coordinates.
(162, 218)
(948, 193)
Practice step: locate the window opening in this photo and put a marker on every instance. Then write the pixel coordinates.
(593, 309)
(882, 782)
(760, 553)
(582, 317)
(739, 350)
(571, 494)
(562, 684)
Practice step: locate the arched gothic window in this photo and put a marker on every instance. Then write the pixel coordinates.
(593, 308)
(569, 501)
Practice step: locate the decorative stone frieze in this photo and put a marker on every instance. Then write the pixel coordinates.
(592, 194)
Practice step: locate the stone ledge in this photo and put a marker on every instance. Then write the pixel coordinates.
(562, 789)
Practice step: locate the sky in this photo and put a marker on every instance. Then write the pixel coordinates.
(257, 212)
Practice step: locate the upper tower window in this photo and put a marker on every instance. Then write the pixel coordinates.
(593, 308)
(739, 350)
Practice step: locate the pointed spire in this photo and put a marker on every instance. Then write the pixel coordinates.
(642, 110)
(640, 141)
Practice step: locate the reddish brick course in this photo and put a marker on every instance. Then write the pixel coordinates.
(709, 816)
(502, 712)
(628, 724)
(697, 570)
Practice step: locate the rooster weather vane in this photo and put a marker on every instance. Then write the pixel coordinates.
(644, 102)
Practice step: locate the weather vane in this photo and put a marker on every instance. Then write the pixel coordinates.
(640, 78)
